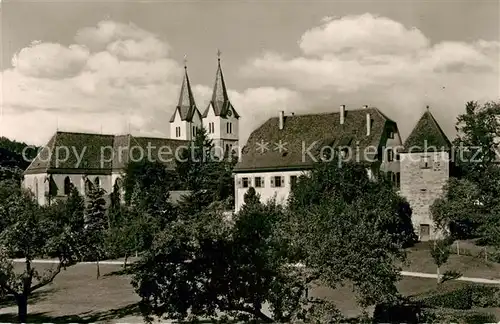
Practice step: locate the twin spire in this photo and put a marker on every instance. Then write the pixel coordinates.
(220, 103)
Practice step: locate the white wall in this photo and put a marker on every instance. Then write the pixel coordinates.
(220, 136)
(30, 183)
(77, 180)
(267, 192)
(185, 129)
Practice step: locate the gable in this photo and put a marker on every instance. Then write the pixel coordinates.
(426, 134)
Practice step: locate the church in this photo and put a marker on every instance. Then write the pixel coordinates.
(276, 154)
(86, 159)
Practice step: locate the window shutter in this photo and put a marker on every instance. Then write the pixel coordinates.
(262, 182)
(239, 183)
(283, 181)
(272, 182)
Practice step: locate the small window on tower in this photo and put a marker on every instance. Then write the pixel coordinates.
(425, 162)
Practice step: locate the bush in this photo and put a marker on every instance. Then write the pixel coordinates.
(465, 298)
(457, 316)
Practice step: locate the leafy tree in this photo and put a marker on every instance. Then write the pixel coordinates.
(95, 225)
(470, 205)
(345, 227)
(202, 168)
(478, 130)
(440, 252)
(30, 232)
(202, 267)
(459, 209)
(251, 197)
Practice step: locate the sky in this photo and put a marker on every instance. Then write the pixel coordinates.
(116, 66)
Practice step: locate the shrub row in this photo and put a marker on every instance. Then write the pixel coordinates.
(465, 298)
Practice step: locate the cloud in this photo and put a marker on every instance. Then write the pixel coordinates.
(117, 78)
(373, 60)
(49, 60)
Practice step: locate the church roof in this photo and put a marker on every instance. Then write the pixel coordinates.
(220, 101)
(85, 153)
(309, 133)
(427, 133)
(186, 107)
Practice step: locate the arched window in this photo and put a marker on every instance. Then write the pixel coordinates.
(67, 186)
(97, 183)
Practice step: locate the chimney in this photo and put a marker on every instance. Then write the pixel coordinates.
(368, 121)
(342, 114)
(282, 119)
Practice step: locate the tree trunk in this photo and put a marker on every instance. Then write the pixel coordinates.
(438, 275)
(125, 261)
(22, 308)
(98, 270)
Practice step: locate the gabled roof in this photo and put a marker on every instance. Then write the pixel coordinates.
(101, 154)
(220, 101)
(426, 134)
(309, 133)
(186, 107)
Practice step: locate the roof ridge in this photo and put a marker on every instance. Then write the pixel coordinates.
(84, 133)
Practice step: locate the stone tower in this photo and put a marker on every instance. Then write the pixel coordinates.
(186, 119)
(220, 119)
(425, 169)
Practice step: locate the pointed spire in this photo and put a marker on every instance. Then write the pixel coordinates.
(220, 100)
(186, 98)
(219, 94)
(186, 106)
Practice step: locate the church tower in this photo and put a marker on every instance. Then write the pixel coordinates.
(220, 119)
(186, 119)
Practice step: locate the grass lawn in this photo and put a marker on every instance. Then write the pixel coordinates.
(77, 296)
(420, 260)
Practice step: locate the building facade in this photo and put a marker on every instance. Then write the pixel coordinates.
(286, 147)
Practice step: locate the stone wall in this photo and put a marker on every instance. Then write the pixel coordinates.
(423, 176)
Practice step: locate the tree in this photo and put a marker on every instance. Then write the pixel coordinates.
(469, 204)
(440, 252)
(30, 232)
(95, 225)
(251, 197)
(459, 209)
(202, 168)
(477, 133)
(345, 227)
(204, 267)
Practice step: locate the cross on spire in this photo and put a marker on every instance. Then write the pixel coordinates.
(185, 61)
(218, 54)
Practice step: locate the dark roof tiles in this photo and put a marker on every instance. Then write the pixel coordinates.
(427, 133)
(309, 133)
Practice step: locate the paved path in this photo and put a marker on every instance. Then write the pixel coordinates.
(403, 273)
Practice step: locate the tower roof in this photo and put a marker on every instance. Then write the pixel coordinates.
(220, 100)
(186, 107)
(427, 133)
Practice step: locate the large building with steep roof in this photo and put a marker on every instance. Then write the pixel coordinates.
(85, 159)
(287, 146)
